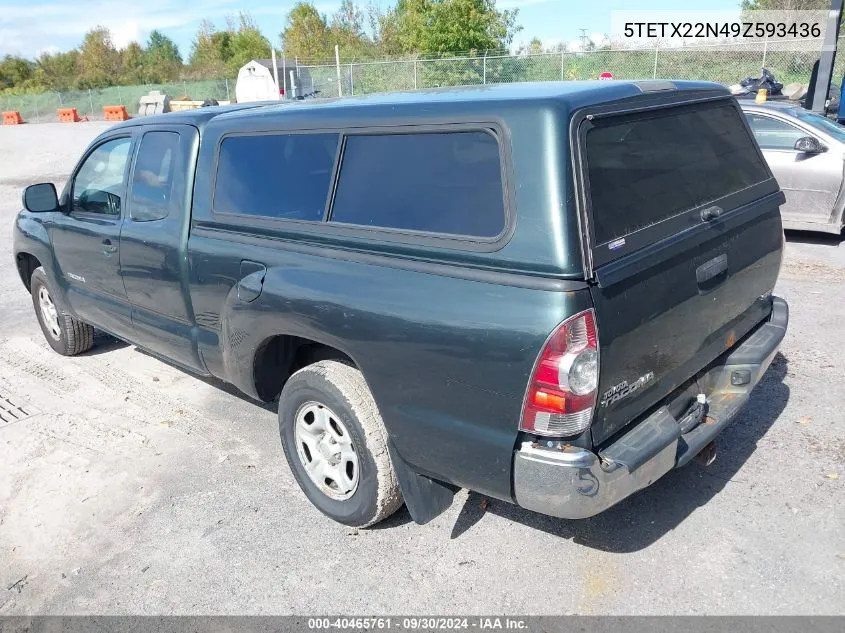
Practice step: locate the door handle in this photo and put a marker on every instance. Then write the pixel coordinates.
(108, 249)
(712, 273)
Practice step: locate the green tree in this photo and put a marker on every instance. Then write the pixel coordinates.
(784, 5)
(16, 72)
(210, 51)
(132, 64)
(246, 42)
(347, 31)
(162, 61)
(99, 61)
(59, 71)
(448, 26)
(534, 47)
(306, 35)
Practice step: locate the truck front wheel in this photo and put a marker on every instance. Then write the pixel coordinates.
(336, 444)
(65, 334)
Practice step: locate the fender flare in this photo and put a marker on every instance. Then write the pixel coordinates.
(31, 238)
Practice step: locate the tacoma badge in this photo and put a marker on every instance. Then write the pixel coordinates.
(625, 389)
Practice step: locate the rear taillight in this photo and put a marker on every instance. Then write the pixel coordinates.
(562, 390)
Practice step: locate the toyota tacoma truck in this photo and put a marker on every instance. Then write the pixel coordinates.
(551, 294)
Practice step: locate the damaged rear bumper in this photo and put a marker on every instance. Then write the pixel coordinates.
(575, 483)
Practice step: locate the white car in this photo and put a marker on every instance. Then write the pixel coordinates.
(806, 153)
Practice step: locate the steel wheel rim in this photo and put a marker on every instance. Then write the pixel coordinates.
(324, 447)
(49, 313)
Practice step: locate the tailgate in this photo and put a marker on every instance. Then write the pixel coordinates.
(685, 244)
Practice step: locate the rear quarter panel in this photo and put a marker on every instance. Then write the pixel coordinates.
(447, 359)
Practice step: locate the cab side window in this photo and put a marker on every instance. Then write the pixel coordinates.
(152, 187)
(434, 182)
(772, 133)
(100, 183)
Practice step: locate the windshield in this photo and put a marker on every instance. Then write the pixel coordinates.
(822, 123)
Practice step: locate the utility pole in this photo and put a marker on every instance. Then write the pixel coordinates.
(819, 89)
(584, 39)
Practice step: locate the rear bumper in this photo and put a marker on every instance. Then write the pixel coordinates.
(575, 483)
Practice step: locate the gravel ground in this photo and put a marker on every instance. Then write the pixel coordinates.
(134, 488)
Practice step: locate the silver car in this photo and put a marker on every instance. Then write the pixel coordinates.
(806, 153)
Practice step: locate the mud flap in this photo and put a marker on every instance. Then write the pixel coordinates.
(424, 497)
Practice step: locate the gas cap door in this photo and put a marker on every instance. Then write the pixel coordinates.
(252, 280)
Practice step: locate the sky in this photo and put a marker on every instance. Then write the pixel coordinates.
(35, 26)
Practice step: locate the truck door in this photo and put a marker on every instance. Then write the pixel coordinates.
(154, 240)
(86, 237)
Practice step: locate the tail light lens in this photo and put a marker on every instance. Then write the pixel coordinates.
(562, 392)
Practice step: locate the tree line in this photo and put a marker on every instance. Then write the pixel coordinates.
(410, 28)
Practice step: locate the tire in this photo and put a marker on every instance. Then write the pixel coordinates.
(341, 410)
(65, 334)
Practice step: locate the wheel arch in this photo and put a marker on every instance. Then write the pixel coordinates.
(26, 264)
(32, 248)
(278, 356)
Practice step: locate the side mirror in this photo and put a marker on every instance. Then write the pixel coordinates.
(41, 198)
(809, 145)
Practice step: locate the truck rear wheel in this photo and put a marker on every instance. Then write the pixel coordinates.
(65, 334)
(336, 444)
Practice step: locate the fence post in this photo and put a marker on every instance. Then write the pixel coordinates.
(765, 50)
(227, 90)
(351, 81)
(91, 101)
(284, 78)
(656, 48)
(415, 74)
(60, 98)
(561, 62)
(185, 88)
(337, 66)
(485, 67)
(119, 97)
(37, 114)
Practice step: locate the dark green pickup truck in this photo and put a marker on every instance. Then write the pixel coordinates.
(551, 294)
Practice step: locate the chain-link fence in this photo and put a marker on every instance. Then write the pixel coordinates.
(42, 107)
(725, 63)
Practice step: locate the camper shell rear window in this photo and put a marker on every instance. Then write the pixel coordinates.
(645, 168)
